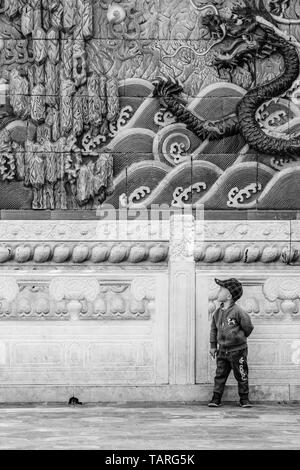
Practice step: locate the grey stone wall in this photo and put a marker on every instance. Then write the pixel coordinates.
(84, 121)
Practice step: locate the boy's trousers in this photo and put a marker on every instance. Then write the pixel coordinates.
(237, 362)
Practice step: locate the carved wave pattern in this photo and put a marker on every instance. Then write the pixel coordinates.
(159, 161)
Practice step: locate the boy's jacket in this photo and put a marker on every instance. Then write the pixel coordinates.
(230, 328)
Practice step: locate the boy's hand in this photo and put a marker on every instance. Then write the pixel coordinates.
(213, 352)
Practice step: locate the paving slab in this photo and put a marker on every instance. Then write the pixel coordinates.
(148, 426)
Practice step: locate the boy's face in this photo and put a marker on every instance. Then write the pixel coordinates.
(224, 294)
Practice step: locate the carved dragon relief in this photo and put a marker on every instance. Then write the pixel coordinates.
(67, 109)
(250, 34)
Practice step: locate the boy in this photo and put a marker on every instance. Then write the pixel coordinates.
(230, 328)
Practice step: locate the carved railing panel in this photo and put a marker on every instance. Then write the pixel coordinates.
(77, 298)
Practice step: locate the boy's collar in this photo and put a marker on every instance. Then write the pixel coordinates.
(230, 305)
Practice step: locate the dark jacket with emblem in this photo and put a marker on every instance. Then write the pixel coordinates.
(230, 328)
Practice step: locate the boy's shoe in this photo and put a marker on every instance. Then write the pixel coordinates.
(245, 403)
(215, 401)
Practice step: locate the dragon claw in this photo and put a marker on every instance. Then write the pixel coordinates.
(211, 130)
(166, 87)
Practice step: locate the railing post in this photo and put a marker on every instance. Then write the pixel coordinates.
(182, 300)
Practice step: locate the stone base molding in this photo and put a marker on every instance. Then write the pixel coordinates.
(201, 393)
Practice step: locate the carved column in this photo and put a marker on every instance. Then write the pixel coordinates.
(182, 300)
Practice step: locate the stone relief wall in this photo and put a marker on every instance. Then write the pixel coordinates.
(149, 102)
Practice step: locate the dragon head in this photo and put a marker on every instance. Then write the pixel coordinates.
(243, 37)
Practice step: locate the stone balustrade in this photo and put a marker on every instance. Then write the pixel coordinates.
(81, 309)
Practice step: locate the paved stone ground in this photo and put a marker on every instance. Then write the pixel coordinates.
(150, 426)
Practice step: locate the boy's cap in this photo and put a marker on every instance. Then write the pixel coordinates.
(233, 285)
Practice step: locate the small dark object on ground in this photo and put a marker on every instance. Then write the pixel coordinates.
(74, 401)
